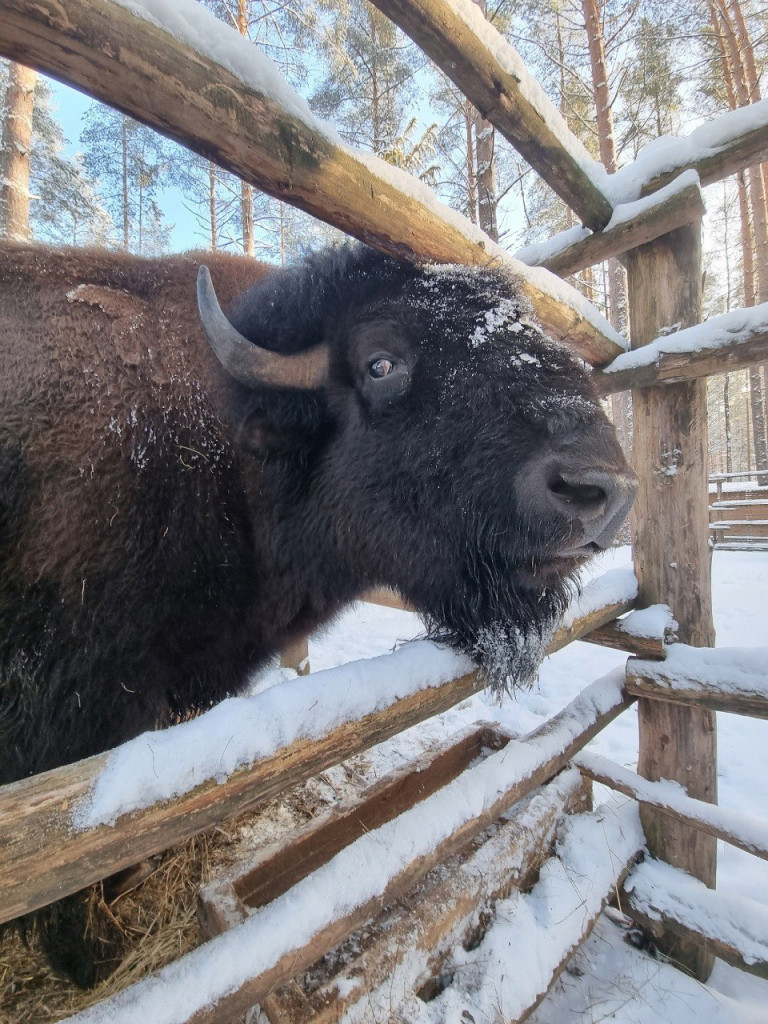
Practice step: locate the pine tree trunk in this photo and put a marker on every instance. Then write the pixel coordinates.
(617, 288)
(469, 118)
(212, 204)
(126, 209)
(486, 185)
(14, 157)
(246, 190)
(739, 70)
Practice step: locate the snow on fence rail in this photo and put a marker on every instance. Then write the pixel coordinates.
(631, 224)
(743, 830)
(735, 929)
(733, 341)
(230, 973)
(386, 694)
(409, 951)
(182, 71)
(725, 679)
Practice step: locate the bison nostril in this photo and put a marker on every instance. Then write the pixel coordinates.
(584, 498)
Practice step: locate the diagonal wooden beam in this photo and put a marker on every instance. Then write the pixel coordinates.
(239, 113)
(489, 71)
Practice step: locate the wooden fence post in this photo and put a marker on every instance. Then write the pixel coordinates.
(671, 550)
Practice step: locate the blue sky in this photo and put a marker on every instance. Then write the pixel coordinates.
(69, 107)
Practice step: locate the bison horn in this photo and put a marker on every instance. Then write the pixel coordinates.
(248, 363)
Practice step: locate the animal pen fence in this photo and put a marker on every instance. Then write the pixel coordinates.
(212, 101)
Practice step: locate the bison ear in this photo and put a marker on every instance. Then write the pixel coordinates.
(280, 424)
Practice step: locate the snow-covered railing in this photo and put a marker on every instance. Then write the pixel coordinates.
(411, 948)
(115, 809)
(725, 679)
(664, 898)
(743, 830)
(234, 970)
(631, 224)
(179, 69)
(716, 149)
(733, 341)
(490, 72)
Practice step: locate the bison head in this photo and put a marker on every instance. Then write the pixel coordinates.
(430, 439)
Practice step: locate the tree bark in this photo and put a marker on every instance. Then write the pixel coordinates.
(486, 185)
(212, 204)
(126, 213)
(742, 83)
(617, 294)
(246, 190)
(14, 158)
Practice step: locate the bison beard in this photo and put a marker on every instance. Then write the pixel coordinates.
(170, 518)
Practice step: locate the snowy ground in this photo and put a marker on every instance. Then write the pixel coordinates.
(608, 980)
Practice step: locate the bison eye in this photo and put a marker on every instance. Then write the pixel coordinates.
(381, 367)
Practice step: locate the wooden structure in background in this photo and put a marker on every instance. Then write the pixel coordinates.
(107, 50)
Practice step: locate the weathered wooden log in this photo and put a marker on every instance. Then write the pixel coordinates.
(677, 367)
(274, 868)
(44, 859)
(665, 900)
(496, 81)
(724, 682)
(671, 550)
(738, 146)
(411, 940)
(612, 635)
(680, 208)
(108, 51)
(742, 830)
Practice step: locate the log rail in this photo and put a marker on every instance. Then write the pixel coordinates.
(42, 805)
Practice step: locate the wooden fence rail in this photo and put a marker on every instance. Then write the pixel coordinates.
(494, 785)
(41, 806)
(742, 830)
(723, 679)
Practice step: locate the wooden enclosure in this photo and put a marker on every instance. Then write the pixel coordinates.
(138, 66)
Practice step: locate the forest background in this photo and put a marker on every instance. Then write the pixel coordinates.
(621, 72)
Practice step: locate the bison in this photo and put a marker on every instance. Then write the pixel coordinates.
(175, 509)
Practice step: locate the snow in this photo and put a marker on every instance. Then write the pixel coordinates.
(658, 888)
(734, 670)
(530, 90)
(608, 979)
(629, 211)
(613, 587)
(161, 765)
(719, 332)
(751, 830)
(536, 253)
(669, 153)
(654, 622)
(539, 253)
(360, 873)
(530, 933)
(191, 23)
(239, 731)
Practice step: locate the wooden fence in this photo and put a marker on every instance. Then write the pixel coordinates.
(147, 71)
(738, 516)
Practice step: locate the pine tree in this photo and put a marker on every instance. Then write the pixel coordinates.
(15, 153)
(131, 163)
